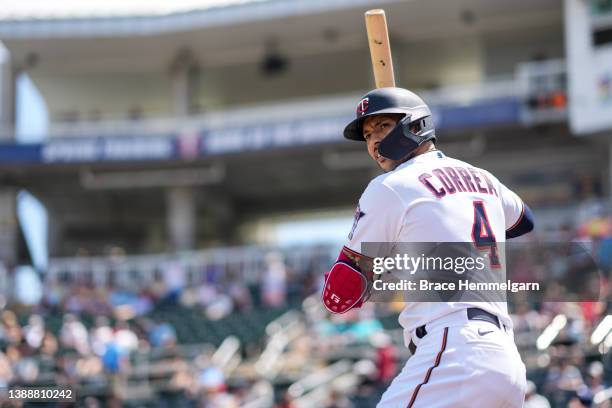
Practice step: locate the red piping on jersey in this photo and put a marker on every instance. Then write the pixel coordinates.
(428, 375)
(354, 253)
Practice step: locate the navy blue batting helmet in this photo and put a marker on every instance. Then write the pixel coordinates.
(402, 140)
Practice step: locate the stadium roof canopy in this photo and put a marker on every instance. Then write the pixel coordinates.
(111, 18)
(144, 35)
(42, 9)
(26, 19)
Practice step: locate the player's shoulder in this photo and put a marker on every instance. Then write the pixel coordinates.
(381, 189)
(393, 187)
(379, 183)
(393, 181)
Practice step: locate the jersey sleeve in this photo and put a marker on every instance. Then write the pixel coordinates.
(513, 206)
(378, 217)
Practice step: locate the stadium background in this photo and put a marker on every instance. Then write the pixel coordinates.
(174, 184)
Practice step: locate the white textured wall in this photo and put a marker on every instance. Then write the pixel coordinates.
(419, 65)
(112, 94)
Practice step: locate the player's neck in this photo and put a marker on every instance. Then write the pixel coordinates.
(424, 148)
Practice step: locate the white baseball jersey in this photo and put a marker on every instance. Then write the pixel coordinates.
(434, 198)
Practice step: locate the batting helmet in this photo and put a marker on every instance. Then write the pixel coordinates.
(402, 140)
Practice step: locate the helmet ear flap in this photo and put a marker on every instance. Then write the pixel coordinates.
(402, 140)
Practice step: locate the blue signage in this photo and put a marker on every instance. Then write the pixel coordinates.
(237, 139)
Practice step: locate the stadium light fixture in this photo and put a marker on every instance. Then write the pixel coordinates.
(273, 63)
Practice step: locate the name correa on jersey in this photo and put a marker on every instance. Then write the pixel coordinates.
(451, 180)
(435, 198)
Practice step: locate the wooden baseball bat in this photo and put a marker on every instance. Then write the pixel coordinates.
(380, 48)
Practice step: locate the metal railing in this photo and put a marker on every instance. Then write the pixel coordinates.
(245, 264)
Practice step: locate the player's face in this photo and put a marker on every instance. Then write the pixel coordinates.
(375, 129)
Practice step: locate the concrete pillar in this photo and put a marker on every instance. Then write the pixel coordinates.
(610, 170)
(181, 217)
(9, 227)
(8, 77)
(184, 73)
(54, 233)
(219, 220)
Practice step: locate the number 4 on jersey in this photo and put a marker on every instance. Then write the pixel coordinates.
(482, 234)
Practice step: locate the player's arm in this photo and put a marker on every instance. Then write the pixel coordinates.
(377, 219)
(523, 225)
(518, 216)
(349, 282)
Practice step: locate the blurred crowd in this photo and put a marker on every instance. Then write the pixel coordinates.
(570, 371)
(95, 334)
(216, 289)
(97, 360)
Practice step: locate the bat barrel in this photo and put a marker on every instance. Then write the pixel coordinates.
(380, 48)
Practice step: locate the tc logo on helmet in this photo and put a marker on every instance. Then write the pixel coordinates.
(362, 107)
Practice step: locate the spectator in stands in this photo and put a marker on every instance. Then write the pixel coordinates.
(362, 324)
(11, 331)
(386, 358)
(241, 296)
(212, 387)
(162, 335)
(220, 307)
(157, 290)
(311, 281)
(286, 401)
(338, 400)
(52, 296)
(533, 399)
(116, 354)
(74, 303)
(26, 370)
(48, 354)
(180, 387)
(91, 402)
(6, 371)
(595, 377)
(101, 335)
(582, 398)
(113, 401)
(74, 335)
(563, 377)
(49, 344)
(175, 280)
(98, 304)
(34, 331)
(201, 295)
(127, 304)
(124, 337)
(13, 356)
(90, 369)
(114, 359)
(274, 284)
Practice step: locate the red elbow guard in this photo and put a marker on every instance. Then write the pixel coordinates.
(346, 286)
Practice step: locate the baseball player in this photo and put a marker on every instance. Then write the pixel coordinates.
(463, 352)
